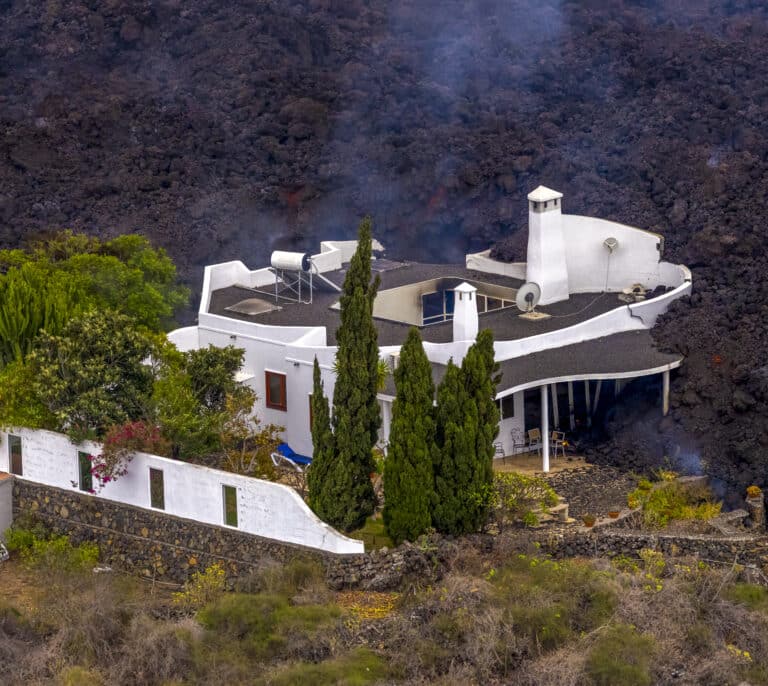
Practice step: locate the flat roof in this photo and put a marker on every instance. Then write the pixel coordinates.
(622, 355)
(505, 324)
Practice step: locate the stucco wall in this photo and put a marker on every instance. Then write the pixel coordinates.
(264, 508)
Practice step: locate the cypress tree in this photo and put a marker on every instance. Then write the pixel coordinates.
(480, 374)
(466, 425)
(408, 481)
(455, 429)
(322, 453)
(344, 493)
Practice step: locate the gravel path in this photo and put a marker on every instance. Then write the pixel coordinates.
(593, 489)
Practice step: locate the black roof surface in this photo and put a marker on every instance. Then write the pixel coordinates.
(505, 324)
(630, 351)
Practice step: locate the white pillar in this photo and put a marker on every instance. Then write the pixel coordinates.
(555, 406)
(544, 430)
(589, 404)
(545, 261)
(665, 393)
(597, 395)
(571, 411)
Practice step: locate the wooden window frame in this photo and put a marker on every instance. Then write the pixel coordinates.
(283, 406)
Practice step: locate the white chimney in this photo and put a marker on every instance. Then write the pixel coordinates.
(546, 264)
(465, 321)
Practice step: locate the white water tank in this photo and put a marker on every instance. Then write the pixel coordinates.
(291, 261)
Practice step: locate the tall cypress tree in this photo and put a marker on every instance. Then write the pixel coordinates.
(322, 453)
(467, 421)
(453, 458)
(408, 481)
(480, 374)
(344, 493)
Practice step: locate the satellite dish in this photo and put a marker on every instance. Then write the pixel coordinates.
(611, 243)
(528, 296)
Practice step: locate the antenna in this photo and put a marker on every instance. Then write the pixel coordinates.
(528, 296)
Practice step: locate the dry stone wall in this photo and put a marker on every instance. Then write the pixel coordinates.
(164, 547)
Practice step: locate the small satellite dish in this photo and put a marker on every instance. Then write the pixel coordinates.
(611, 243)
(528, 296)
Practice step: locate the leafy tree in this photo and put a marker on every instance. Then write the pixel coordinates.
(197, 402)
(92, 375)
(467, 424)
(408, 479)
(247, 445)
(19, 405)
(322, 449)
(56, 279)
(344, 492)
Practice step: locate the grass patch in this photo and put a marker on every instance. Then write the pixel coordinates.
(357, 668)
(551, 601)
(673, 501)
(373, 534)
(620, 656)
(751, 596)
(263, 625)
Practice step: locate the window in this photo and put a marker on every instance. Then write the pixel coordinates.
(84, 471)
(156, 489)
(507, 406)
(276, 397)
(14, 454)
(230, 505)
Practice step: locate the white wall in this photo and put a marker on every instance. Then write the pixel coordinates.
(483, 262)
(264, 508)
(635, 260)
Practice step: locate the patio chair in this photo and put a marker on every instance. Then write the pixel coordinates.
(282, 462)
(498, 448)
(534, 440)
(518, 441)
(557, 442)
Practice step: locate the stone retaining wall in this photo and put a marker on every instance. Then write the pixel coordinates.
(164, 547)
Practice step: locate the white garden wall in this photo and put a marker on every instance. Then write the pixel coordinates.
(264, 508)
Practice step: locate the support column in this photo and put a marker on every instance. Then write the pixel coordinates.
(544, 430)
(589, 404)
(665, 393)
(555, 406)
(597, 395)
(571, 411)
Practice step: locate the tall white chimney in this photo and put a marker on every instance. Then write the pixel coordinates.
(546, 263)
(465, 320)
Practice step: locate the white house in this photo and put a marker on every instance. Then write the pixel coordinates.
(602, 285)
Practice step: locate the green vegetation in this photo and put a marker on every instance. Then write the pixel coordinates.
(408, 479)
(374, 534)
(519, 497)
(621, 656)
(497, 616)
(671, 500)
(467, 420)
(342, 493)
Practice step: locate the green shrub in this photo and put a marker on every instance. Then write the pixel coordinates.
(673, 500)
(699, 638)
(202, 589)
(751, 596)
(45, 552)
(549, 601)
(620, 656)
(516, 497)
(263, 623)
(357, 668)
(79, 676)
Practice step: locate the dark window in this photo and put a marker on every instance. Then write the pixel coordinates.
(84, 469)
(230, 505)
(14, 453)
(156, 489)
(508, 406)
(276, 398)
